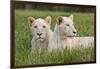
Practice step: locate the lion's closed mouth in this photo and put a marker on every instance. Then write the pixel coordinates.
(71, 36)
(39, 38)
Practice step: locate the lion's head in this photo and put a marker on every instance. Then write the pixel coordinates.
(40, 27)
(65, 25)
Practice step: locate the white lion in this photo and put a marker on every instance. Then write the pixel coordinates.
(41, 31)
(64, 35)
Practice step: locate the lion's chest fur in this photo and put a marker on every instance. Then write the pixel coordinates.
(56, 43)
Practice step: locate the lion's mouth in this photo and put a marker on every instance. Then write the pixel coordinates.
(39, 38)
(71, 36)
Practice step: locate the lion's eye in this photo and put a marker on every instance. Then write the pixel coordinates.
(67, 24)
(44, 26)
(35, 26)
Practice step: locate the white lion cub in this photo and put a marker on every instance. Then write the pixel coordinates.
(41, 31)
(64, 35)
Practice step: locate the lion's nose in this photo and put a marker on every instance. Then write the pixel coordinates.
(39, 34)
(74, 32)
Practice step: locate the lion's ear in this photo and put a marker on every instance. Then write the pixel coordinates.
(59, 20)
(31, 20)
(71, 17)
(48, 19)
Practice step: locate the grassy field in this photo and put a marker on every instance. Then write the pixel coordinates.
(84, 23)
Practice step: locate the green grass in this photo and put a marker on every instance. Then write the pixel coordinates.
(84, 23)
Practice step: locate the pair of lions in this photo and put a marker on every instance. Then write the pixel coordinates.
(62, 37)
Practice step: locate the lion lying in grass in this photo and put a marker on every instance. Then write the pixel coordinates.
(64, 36)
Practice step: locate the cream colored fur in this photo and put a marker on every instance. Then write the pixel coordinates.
(41, 31)
(64, 36)
(80, 42)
